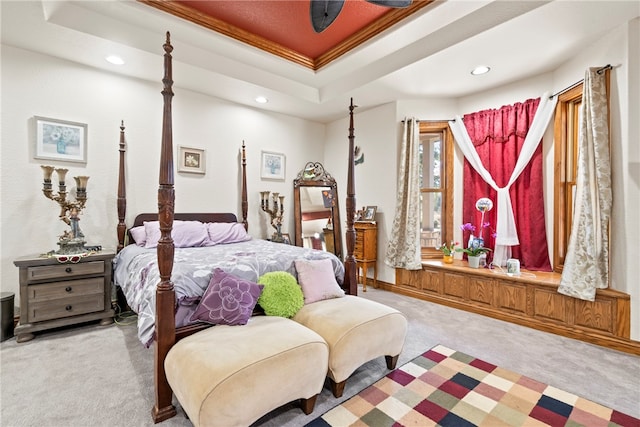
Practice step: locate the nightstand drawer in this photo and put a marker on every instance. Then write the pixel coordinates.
(47, 272)
(56, 309)
(65, 289)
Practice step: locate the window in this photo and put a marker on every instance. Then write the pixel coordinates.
(436, 187)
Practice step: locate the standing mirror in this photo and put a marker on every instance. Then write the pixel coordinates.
(315, 203)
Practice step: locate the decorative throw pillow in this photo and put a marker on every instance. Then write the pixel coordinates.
(139, 235)
(226, 232)
(318, 280)
(229, 300)
(185, 234)
(281, 295)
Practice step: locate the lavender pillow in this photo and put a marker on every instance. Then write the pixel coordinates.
(186, 234)
(229, 300)
(226, 232)
(318, 280)
(139, 235)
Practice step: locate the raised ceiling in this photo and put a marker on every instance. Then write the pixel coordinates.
(426, 55)
(283, 27)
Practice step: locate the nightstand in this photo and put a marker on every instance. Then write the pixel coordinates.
(366, 251)
(55, 294)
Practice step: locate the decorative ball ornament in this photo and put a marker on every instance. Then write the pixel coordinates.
(484, 204)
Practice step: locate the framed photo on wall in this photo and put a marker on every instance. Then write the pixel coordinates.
(60, 140)
(272, 166)
(191, 160)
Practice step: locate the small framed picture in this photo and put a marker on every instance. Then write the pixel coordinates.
(60, 140)
(273, 166)
(369, 213)
(191, 160)
(286, 239)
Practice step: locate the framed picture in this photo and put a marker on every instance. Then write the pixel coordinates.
(369, 213)
(191, 160)
(60, 140)
(273, 166)
(286, 239)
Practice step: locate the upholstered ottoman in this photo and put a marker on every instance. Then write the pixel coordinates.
(233, 375)
(357, 330)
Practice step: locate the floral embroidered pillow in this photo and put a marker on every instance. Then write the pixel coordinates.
(228, 300)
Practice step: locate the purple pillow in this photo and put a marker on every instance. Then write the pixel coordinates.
(317, 280)
(226, 232)
(185, 234)
(139, 235)
(229, 300)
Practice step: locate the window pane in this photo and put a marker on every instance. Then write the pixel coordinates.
(430, 152)
(431, 221)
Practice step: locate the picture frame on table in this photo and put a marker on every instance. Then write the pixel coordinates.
(286, 239)
(60, 140)
(272, 166)
(369, 213)
(191, 160)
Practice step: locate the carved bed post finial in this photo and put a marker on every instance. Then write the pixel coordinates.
(165, 294)
(122, 192)
(245, 204)
(350, 276)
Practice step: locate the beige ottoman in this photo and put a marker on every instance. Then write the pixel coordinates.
(357, 330)
(232, 375)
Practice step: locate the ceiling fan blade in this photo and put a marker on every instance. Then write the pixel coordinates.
(324, 12)
(391, 3)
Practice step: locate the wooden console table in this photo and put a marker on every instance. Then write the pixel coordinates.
(530, 300)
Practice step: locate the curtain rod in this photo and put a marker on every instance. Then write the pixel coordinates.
(432, 120)
(599, 71)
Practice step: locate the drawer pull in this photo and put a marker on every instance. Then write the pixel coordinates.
(68, 289)
(68, 269)
(68, 308)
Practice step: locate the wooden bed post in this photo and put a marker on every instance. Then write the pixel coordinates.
(165, 295)
(350, 266)
(245, 204)
(122, 193)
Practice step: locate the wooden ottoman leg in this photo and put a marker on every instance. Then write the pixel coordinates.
(338, 388)
(308, 404)
(391, 361)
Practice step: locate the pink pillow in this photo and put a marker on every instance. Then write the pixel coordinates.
(139, 235)
(186, 234)
(226, 232)
(318, 280)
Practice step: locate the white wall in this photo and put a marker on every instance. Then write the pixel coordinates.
(39, 85)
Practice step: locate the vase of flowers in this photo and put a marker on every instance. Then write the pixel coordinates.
(448, 251)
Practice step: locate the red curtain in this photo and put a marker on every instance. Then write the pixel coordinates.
(498, 136)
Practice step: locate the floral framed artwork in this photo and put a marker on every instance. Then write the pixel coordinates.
(191, 160)
(273, 166)
(60, 140)
(369, 213)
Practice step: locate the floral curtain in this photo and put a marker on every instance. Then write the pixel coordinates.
(503, 161)
(403, 249)
(586, 265)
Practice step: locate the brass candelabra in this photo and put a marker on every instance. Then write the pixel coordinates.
(276, 213)
(72, 240)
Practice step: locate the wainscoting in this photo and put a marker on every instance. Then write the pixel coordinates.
(530, 300)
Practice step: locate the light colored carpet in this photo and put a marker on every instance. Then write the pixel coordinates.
(103, 376)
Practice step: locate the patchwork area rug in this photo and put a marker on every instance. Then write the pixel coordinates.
(444, 387)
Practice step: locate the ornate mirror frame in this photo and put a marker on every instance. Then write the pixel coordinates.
(314, 175)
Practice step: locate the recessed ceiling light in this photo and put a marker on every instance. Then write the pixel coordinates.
(116, 60)
(482, 69)
(261, 100)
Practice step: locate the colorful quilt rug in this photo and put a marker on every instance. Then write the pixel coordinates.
(444, 387)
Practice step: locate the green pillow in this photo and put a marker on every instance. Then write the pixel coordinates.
(281, 295)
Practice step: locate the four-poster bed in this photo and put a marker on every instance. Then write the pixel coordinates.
(165, 332)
